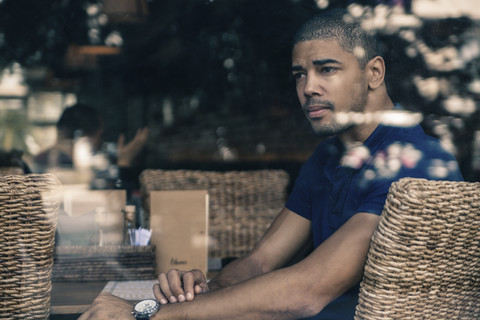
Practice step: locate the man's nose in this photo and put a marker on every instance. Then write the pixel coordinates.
(313, 87)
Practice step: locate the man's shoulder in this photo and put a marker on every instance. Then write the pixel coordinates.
(415, 136)
(422, 155)
(427, 143)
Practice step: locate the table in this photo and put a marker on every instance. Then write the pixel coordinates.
(70, 299)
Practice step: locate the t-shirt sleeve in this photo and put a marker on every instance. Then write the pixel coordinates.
(299, 200)
(375, 197)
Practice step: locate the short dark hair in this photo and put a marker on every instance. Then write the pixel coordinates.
(341, 26)
(80, 118)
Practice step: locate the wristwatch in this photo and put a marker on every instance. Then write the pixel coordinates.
(145, 309)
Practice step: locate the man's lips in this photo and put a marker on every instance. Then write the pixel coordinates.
(317, 111)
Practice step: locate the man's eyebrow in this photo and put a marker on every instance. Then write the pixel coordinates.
(325, 61)
(297, 68)
(319, 62)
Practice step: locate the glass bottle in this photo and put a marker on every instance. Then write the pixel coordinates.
(129, 226)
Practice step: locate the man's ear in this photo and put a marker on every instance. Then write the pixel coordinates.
(376, 72)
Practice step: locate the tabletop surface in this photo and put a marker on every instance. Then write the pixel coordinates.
(74, 297)
(68, 298)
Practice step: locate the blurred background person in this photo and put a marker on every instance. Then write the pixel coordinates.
(76, 121)
(80, 155)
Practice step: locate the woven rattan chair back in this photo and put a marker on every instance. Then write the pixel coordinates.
(242, 203)
(424, 258)
(29, 207)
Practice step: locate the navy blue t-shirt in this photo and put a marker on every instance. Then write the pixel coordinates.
(334, 184)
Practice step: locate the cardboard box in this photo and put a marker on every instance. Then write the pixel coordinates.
(179, 223)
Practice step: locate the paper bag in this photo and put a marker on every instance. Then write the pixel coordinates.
(179, 223)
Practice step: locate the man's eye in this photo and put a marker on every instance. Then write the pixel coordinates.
(298, 76)
(329, 69)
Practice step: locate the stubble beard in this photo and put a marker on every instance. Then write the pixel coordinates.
(334, 127)
(329, 129)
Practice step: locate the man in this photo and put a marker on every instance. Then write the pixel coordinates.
(337, 198)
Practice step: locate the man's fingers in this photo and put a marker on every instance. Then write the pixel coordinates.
(175, 277)
(201, 288)
(197, 284)
(198, 289)
(188, 285)
(179, 286)
(165, 288)
(157, 292)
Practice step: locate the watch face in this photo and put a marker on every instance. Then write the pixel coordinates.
(146, 307)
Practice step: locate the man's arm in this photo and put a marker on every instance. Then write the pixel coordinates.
(288, 233)
(301, 290)
(298, 291)
(283, 239)
(286, 236)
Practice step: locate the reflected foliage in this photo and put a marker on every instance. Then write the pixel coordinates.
(38, 32)
(232, 58)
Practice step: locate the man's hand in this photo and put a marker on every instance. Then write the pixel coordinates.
(179, 286)
(127, 152)
(106, 307)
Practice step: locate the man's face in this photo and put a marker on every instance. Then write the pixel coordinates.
(329, 82)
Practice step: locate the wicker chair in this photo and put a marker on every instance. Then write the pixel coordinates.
(29, 206)
(424, 258)
(242, 203)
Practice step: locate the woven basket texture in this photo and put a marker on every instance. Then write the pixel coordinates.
(424, 259)
(29, 207)
(242, 204)
(103, 263)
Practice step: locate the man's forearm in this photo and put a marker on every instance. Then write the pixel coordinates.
(269, 296)
(299, 291)
(236, 271)
(286, 237)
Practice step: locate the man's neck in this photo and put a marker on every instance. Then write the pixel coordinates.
(360, 132)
